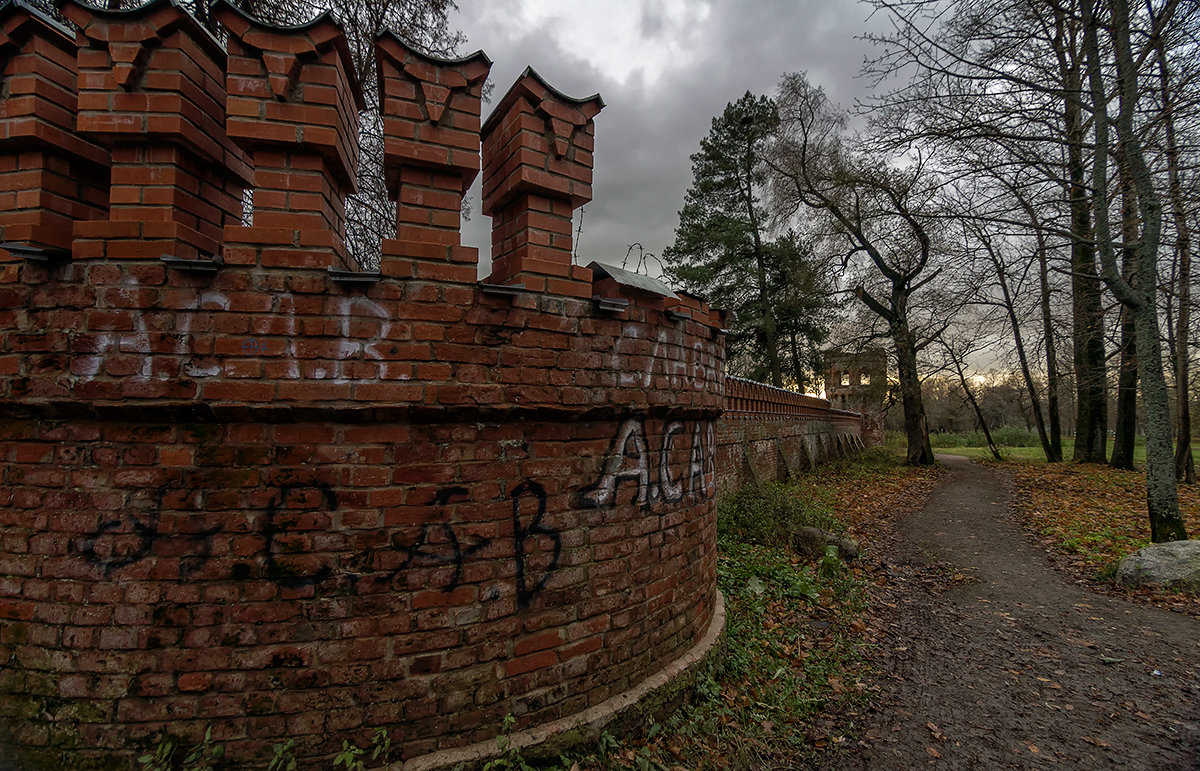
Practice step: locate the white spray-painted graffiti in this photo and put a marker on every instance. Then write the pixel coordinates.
(361, 329)
(362, 326)
(630, 459)
(693, 366)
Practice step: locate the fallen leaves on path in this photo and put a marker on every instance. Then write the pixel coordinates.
(1091, 516)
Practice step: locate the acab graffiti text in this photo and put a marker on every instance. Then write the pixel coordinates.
(636, 471)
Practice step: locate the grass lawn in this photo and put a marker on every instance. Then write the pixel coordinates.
(1035, 453)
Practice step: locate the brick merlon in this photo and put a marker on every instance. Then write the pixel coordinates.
(430, 109)
(160, 17)
(301, 41)
(525, 86)
(470, 68)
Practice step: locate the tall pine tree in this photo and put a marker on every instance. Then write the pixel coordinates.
(723, 250)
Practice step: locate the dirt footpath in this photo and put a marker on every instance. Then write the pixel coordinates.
(993, 660)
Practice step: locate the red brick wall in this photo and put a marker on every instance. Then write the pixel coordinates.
(768, 433)
(239, 491)
(284, 508)
(321, 579)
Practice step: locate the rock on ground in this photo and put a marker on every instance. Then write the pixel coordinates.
(811, 542)
(1175, 564)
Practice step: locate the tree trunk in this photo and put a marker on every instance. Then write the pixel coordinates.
(767, 313)
(1185, 467)
(1055, 454)
(1091, 422)
(1125, 432)
(1022, 359)
(920, 451)
(797, 363)
(770, 334)
(1162, 496)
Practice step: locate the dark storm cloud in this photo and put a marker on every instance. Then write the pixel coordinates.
(654, 120)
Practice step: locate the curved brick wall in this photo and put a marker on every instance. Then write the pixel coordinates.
(246, 486)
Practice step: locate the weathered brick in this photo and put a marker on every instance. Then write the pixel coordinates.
(292, 504)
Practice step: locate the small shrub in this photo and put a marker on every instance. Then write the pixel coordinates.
(510, 758)
(1005, 436)
(769, 514)
(351, 755)
(283, 758)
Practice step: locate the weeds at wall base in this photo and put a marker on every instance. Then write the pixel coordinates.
(789, 649)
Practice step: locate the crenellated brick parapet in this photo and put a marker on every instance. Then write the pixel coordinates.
(151, 91)
(749, 396)
(50, 176)
(246, 486)
(537, 169)
(768, 433)
(292, 105)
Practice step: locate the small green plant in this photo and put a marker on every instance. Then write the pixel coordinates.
(608, 744)
(283, 758)
(160, 759)
(707, 687)
(202, 757)
(381, 746)
(350, 757)
(510, 758)
(205, 755)
(831, 563)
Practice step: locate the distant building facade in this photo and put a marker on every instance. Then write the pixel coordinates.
(857, 381)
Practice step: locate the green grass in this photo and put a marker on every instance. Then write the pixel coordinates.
(771, 513)
(792, 643)
(973, 445)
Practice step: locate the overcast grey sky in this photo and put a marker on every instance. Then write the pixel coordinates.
(664, 68)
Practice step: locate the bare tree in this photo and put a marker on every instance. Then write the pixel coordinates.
(881, 212)
(1172, 96)
(1166, 524)
(1009, 277)
(956, 350)
(1006, 75)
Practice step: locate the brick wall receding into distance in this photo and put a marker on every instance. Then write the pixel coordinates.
(767, 433)
(246, 485)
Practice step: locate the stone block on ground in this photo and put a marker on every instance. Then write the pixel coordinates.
(812, 541)
(1175, 565)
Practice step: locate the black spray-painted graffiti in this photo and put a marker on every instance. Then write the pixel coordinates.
(299, 515)
(371, 568)
(280, 534)
(287, 559)
(123, 541)
(521, 534)
(629, 458)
